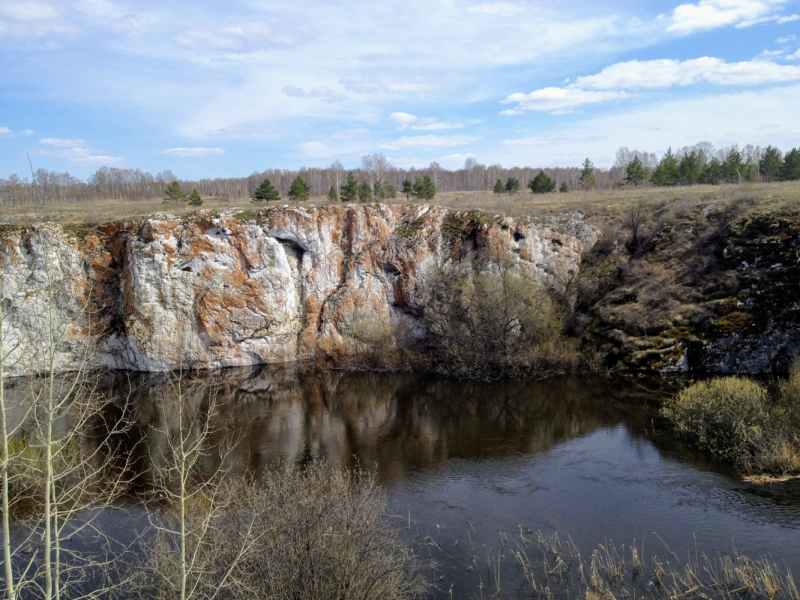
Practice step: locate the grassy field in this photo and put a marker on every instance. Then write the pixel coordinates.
(603, 208)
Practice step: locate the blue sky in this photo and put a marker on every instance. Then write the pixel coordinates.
(217, 89)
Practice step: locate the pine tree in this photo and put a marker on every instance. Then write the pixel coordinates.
(174, 192)
(299, 190)
(712, 173)
(542, 184)
(512, 185)
(424, 188)
(350, 189)
(499, 188)
(266, 192)
(564, 188)
(733, 167)
(332, 195)
(771, 164)
(690, 169)
(635, 173)
(364, 192)
(378, 191)
(407, 188)
(390, 191)
(587, 179)
(668, 170)
(791, 165)
(195, 199)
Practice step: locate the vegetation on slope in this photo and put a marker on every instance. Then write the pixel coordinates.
(742, 421)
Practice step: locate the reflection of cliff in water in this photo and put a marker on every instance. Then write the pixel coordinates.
(397, 423)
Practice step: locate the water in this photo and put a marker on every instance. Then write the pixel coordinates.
(464, 462)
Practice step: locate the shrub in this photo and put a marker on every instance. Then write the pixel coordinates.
(738, 420)
(316, 533)
(493, 322)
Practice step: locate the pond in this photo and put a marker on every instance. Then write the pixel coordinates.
(464, 463)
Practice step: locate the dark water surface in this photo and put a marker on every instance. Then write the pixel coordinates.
(463, 462)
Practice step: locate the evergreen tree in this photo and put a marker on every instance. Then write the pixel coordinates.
(512, 185)
(499, 188)
(712, 173)
(733, 167)
(378, 191)
(266, 192)
(194, 199)
(668, 170)
(635, 174)
(771, 164)
(299, 190)
(564, 188)
(174, 192)
(587, 179)
(690, 169)
(424, 189)
(542, 184)
(408, 188)
(390, 191)
(791, 165)
(350, 189)
(364, 192)
(332, 195)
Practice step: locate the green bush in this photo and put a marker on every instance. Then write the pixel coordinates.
(740, 421)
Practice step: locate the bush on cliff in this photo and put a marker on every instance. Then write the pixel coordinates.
(493, 322)
(743, 422)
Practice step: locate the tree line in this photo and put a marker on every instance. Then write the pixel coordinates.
(377, 178)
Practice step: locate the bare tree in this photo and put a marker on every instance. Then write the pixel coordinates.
(634, 219)
(56, 467)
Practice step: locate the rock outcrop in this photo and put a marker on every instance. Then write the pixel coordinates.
(219, 290)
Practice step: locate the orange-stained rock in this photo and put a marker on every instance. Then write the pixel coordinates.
(213, 290)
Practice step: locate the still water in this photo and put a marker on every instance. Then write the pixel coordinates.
(465, 462)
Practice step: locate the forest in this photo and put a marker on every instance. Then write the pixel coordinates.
(698, 164)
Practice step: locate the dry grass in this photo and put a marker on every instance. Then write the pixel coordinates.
(603, 207)
(555, 570)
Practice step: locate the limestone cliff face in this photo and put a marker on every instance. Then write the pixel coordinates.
(219, 290)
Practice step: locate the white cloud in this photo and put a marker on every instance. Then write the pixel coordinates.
(326, 95)
(384, 83)
(27, 132)
(76, 152)
(654, 74)
(293, 91)
(97, 160)
(794, 55)
(25, 19)
(5, 132)
(499, 9)
(711, 14)
(723, 119)
(789, 19)
(193, 151)
(621, 79)
(62, 143)
(512, 111)
(320, 92)
(428, 141)
(560, 99)
(409, 121)
(242, 37)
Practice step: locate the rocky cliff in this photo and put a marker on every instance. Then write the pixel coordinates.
(217, 290)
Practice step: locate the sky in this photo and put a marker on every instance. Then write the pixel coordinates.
(222, 89)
